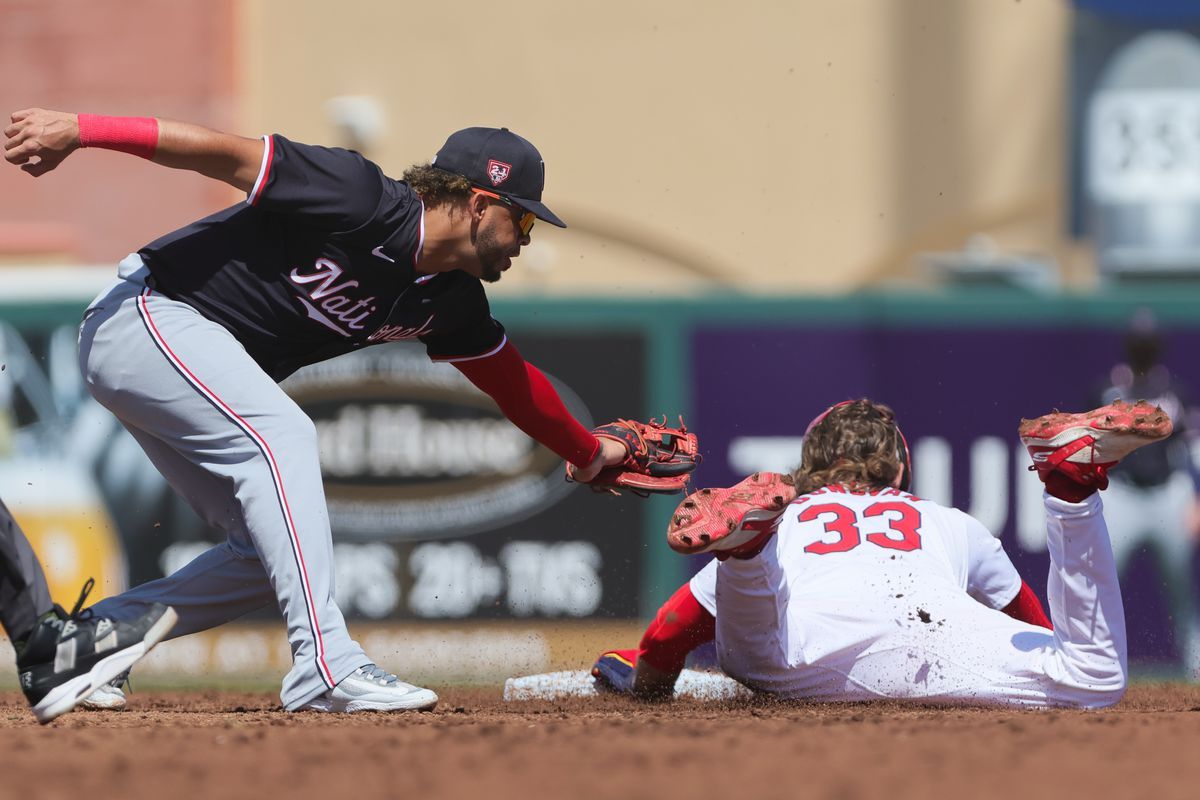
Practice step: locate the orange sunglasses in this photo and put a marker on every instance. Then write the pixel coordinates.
(527, 217)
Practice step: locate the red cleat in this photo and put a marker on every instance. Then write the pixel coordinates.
(1072, 453)
(735, 522)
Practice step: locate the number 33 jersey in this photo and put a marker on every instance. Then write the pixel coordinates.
(850, 576)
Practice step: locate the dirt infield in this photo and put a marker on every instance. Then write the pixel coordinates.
(170, 746)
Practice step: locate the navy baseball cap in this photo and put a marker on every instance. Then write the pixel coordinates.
(497, 160)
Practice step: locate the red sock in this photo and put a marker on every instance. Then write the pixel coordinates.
(1061, 486)
(1071, 480)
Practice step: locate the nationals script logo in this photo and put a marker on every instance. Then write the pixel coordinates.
(334, 305)
(498, 171)
(330, 303)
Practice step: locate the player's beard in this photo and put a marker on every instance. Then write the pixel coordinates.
(492, 256)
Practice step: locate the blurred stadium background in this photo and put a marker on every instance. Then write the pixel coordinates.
(962, 208)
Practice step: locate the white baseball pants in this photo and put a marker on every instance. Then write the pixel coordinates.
(964, 654)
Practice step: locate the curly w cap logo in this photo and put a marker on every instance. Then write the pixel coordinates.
(498, 171)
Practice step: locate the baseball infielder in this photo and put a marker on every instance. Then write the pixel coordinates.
(838, 584)
(326, 255)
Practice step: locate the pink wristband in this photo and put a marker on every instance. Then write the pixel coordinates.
(134, 135)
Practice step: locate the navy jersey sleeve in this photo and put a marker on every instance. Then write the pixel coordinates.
(475, 333)
(333, 189)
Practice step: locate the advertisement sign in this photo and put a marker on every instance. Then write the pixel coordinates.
(411, 450)
(441, 509)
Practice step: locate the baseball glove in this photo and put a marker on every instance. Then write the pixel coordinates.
(659, 461)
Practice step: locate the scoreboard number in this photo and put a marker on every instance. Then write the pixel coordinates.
(1144, 146)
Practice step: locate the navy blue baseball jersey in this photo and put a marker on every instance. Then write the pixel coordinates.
(321, 259)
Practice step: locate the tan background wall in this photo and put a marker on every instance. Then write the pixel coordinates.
(794, 146)
(763, 146)
(169, 58)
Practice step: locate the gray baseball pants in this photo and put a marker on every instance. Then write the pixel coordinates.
(24, 595)
(243, 454)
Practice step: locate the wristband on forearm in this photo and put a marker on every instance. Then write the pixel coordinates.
(134, 135)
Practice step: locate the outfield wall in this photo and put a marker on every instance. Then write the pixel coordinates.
(507, 542)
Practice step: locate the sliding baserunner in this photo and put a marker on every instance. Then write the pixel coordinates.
(836, 583)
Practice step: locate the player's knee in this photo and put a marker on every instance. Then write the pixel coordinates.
(1101, 697)
(306, 431)
(1090, 679)
(1109, 691)
(298, 430)
(1111, 697)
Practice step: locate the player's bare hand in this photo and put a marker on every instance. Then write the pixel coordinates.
(611, 453)
(38, 140)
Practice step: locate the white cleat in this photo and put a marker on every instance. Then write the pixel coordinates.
(109, 697)
(370, 688)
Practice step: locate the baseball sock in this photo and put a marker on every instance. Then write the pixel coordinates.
(1059, 485)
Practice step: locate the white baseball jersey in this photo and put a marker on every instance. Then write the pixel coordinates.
(852, 583)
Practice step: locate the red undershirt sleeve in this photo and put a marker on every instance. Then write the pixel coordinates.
(1027, 608)
(680, 626)
(527, 398)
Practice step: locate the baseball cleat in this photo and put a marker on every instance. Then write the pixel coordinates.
(68, 657)
(108, 696)
(370, 688)
(1082, 447)
(736, 522)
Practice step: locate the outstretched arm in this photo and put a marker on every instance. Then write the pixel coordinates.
(39, 140)
(650, 671)
(526, 397)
